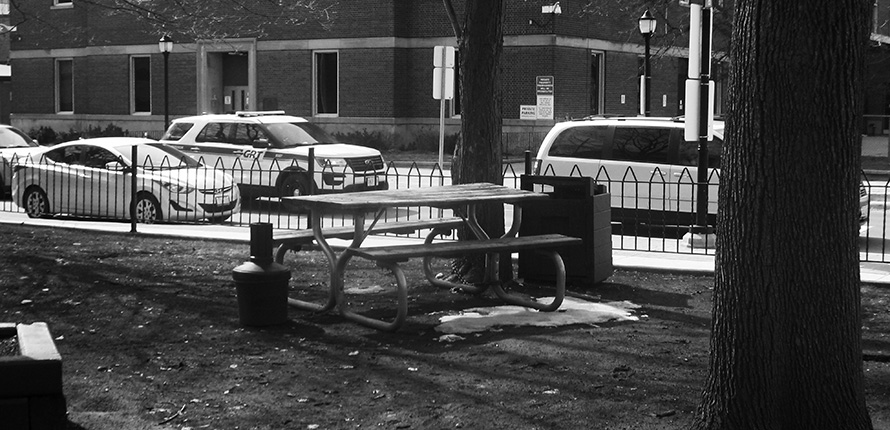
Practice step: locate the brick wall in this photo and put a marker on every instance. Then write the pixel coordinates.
(286, 81)
(367, 83)
(33, 86)
(101, 84)
(181, 84)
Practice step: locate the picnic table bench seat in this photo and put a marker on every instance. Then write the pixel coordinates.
(390, 257)
(293, 240)
(403, 253)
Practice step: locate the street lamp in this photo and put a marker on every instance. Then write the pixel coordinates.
(166, 46)
(647, 27)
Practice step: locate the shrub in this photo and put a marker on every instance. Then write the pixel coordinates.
(429, 142)
(373, 139)
(48, 136)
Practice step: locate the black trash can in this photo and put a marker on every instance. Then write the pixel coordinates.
(261, 283)
(578, 207)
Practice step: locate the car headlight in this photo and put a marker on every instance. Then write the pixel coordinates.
(333, 162)
(177, 188)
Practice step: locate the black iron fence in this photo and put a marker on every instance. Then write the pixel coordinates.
(650, 212)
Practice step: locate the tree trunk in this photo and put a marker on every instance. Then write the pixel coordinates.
(785, 341)
(478, 154)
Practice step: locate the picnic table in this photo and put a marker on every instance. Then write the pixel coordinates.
(366, 210)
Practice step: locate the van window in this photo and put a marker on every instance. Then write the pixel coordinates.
(645, 145)
(688, 155)
(580, 142)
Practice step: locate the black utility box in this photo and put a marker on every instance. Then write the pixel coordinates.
(578, 207)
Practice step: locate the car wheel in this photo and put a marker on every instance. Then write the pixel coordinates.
(148, 210)
(35, 202)
(218, 219)
(294, 185)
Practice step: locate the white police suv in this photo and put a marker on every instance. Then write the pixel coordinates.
(267, 153)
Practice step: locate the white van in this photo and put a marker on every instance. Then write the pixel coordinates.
(646, 164)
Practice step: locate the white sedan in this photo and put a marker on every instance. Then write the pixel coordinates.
(14, 144)
(93, 178)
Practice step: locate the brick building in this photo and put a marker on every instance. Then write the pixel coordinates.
(368, 70)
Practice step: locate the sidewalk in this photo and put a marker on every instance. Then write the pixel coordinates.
(875, 273)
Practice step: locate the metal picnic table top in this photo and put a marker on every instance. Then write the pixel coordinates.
(446, 196)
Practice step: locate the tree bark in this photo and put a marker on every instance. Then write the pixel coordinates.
(478, 153)
(785, 341)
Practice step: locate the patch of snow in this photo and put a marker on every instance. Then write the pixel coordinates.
(572, 311)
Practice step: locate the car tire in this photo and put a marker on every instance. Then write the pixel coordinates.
(218, 219)
(294, 185)
(148, 210)
(35, 203)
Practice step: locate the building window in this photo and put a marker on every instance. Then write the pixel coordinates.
(327, 82)
(140, 84)
(597, 95)
(65, 86)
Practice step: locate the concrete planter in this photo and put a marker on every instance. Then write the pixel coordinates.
(31, 382)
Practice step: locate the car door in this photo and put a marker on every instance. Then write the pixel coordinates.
(107, 191)
(639, 172)
(684, 175)
(250, 147)
(63, 179)
(212, 146)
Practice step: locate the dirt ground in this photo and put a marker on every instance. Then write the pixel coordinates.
(149, 333)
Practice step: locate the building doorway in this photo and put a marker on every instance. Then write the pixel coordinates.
(226, 76)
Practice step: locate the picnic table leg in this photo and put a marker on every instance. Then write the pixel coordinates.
(338, 272)
(329, 253)
(559, 295)
(282, 250)
(441, 283)
(401, 309)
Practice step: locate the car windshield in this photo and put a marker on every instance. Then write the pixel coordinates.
(291, 134)
(157, 156)
(12, 138)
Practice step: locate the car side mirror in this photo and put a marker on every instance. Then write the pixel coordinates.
(261, 143)
(115, 166)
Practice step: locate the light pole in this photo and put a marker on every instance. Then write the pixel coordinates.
(647, 27)
(166, 46)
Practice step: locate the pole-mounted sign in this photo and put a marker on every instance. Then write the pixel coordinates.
(699, 115)
(443, 88)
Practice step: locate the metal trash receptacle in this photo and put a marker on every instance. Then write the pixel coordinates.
(577, 207)
(261, 284)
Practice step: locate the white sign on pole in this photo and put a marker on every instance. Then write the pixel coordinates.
(440, 74)
(443, 89)
(443, 72)
(443, 56)
(544, 90)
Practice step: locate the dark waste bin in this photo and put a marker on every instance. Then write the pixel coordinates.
(261, 283)
(577, 207)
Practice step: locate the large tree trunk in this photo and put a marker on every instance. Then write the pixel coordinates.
(785, 341)
(478, 154)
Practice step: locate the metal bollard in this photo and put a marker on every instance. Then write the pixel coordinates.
(261, 283)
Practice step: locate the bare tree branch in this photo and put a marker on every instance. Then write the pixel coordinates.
(449, 8)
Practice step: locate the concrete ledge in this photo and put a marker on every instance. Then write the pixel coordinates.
(31, 382)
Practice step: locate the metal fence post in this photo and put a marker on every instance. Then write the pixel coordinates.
(133, 190)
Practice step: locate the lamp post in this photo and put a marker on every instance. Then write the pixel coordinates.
(647, 27)
(166, 46)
